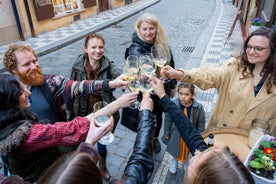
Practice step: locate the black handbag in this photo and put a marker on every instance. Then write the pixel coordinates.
(130, 118)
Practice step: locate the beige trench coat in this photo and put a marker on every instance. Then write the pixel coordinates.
(236, 105)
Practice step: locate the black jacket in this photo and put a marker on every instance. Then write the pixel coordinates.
(140, 165)
(139, 47)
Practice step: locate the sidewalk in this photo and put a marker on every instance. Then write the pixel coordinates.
(210, 50)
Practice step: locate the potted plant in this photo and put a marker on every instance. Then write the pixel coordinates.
(261, 160)
(256, 24)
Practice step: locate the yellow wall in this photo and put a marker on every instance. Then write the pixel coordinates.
(57, 22)
(118, 3)
(8, 28)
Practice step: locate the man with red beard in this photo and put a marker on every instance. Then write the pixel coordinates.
(52, 96)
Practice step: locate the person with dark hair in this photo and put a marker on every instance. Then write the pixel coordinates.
(149, 32)
(72, 169)
(94, 65)
(195, 112)
(32, 145)
(213, 165)
(246, 84)
(52, 95)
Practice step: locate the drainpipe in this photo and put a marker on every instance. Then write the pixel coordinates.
(29, 18)
(17, 20)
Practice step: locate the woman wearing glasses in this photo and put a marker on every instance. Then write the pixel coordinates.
(246, 84)
(208, 165)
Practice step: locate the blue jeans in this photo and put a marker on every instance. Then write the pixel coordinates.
(102, 149)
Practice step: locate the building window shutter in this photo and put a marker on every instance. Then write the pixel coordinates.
(89, 3)
(43, 11)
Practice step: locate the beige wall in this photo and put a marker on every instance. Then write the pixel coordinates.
(8, 28)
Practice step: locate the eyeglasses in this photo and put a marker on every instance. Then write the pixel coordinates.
(257, 49)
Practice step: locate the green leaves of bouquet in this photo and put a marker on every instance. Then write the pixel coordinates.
(265, 156)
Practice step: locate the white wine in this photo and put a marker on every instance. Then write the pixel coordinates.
(160, 62)
(132, 70)
(101, 120)
(129, 77)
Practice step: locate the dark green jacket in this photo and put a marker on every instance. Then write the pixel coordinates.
(108, 70)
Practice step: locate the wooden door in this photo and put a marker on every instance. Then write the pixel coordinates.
(103, 5)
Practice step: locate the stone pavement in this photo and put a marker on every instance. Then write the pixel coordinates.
(209, 50)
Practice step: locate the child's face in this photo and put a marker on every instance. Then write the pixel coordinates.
(185, 96)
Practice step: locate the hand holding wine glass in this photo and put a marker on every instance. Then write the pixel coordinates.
(101, 119)
(159, 60)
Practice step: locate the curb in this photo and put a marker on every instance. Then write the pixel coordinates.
(76, 37)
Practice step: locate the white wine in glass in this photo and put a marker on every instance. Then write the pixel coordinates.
(159, 60)
(144, 80)
(100, 120)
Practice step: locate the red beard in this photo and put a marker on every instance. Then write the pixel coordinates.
(32, 77)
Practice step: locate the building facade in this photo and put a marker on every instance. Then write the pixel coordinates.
(22, 19)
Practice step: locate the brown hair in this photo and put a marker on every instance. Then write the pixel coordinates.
(190, 86)
(9, 59)
(222, 166)
(269, 70)
(93, 35)
(76, 168)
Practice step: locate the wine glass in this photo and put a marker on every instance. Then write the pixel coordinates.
(131, 68)
(145, 82)
(146, 65)
(131, 74)
(100, 120)
(160, 61)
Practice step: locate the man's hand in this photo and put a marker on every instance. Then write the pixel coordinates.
(118, 82)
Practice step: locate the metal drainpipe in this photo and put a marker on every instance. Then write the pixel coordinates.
(29, 18)
(17, 20)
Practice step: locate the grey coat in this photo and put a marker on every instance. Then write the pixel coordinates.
(197, 118)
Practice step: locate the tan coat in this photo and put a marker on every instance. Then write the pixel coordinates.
(236, 105)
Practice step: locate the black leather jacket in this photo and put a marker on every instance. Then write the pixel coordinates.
(140, 165)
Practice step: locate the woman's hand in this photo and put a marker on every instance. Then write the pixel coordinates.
(96, 133)
(170, 72)
(158, 87)
(146, 102)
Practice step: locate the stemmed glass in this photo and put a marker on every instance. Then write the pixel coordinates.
(147, 70)
(131, 68)
(159, 60)
(100, 120)
(131, 74)
(146, 65)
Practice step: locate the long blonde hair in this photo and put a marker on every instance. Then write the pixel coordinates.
(161, 40)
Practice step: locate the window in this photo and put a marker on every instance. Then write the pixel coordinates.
(66, 6)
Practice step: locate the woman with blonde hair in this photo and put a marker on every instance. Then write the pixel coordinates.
(149, 32)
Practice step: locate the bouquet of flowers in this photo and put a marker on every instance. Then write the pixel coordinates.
(261, 160)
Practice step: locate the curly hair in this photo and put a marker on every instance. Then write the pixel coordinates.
(9, 59)
(269, 70)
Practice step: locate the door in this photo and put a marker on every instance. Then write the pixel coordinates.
(103, 5)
